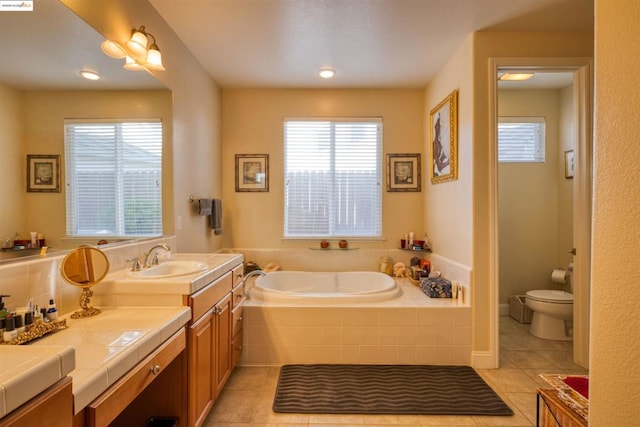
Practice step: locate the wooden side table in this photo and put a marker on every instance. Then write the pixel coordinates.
(551, 411)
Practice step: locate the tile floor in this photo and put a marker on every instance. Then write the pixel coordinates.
(247, 397)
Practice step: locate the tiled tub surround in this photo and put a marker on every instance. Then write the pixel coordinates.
(411, 329)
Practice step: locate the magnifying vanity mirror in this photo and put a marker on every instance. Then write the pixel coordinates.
(85, 267)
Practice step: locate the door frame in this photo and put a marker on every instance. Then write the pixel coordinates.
(582, 69)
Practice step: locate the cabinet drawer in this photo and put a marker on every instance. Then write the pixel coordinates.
(238, 294)
(237, 274)
(237, 320)
(112, 402)
(53, 407)
(203, 300)
(236, 348)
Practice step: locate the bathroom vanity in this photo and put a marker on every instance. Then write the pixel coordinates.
(163, 346)
(214, 331)
(214, 340)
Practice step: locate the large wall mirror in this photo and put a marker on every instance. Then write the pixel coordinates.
(42, 53)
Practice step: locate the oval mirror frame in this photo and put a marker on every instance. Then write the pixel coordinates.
(85, 267)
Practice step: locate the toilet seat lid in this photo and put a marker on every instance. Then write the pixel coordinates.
(546, 295)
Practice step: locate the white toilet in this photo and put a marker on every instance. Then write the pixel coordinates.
(552, 314)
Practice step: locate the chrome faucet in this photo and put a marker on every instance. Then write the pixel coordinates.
(151, 258)
(245, 291)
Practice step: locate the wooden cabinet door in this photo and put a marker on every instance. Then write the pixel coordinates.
(223, 325)
(201, 368)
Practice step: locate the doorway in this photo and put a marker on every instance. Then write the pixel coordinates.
(577, 75)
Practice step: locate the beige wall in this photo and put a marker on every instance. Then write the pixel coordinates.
(566, 142)
(529, 206)
(448, 206)
(44, 134)
(253, 124)
(615, 342)
(196, 115)
(489, 45)
(12, 164)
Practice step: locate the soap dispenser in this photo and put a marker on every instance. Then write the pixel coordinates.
(4, 313)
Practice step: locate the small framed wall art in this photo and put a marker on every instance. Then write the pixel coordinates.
(252, 172)
(43, 173)
(444, 139)
(403, 172)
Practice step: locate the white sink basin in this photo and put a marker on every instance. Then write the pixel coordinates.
(170, 269)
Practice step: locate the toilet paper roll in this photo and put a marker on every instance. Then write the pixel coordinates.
(559, 276)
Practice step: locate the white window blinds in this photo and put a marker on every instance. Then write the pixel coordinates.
(113, 178)
(332, 178)
(521, 139)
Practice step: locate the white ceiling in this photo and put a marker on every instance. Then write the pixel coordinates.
(370, 43)
(279, 43)
(47, 48)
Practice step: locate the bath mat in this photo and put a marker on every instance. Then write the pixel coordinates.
(385, 389)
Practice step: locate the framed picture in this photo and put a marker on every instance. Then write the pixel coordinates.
(43, 173)
(443, 124)
(569, 165)
(252, 172)
(403, 172)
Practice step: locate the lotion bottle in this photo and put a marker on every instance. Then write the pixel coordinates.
(52, 311)
(10, 329)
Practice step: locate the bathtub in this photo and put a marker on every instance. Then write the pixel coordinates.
(321, 287)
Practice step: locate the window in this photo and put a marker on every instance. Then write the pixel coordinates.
(332, 178)
(113, 178)
(521, 139)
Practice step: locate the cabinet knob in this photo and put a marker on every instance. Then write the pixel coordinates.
(240, 347)
(240, 319)
(155, 370)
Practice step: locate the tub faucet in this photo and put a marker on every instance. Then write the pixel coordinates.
(151, 258)
(245, 291)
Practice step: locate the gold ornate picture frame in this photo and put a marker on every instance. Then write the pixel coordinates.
(403, 172)
(443, 125)
(43, 173)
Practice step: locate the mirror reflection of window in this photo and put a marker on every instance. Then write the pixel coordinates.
(113, 177)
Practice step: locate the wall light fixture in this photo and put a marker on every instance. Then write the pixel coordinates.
(138, 53)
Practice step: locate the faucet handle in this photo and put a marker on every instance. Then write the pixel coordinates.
(136, 264)
(154, 260)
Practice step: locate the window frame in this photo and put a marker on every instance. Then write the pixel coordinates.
(379, 170)
(118, 143)
(539, 155)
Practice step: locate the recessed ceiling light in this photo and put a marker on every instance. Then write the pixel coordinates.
(516, 76)
(326, 73)
(90, 75)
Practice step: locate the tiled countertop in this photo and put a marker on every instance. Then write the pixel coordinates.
(124, 282)
(106, 346)
(27, 371)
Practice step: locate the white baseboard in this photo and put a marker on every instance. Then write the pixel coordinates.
(503, 309)
(484, 360)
